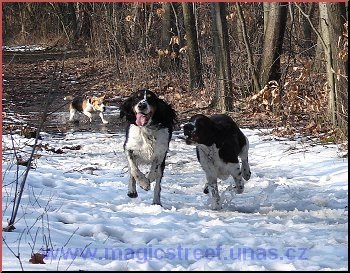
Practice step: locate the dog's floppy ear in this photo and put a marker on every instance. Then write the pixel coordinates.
(165, 113)
(126, 110)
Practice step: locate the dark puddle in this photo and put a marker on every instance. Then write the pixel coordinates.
(58, 123)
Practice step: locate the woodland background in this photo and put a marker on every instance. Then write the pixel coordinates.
(280, 65)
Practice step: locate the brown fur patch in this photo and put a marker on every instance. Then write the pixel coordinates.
(85, 103)
(97, 101)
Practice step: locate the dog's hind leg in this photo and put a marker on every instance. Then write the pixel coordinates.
(158, 172)
(102, 118)
(88, 114)
(237, 176)
(155, 170)
(246, 173)
(214, 191)
(71, 113)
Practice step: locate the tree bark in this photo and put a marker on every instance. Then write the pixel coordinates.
(195, 66)
(273, 40)
(257, 86)
(307, 30)
(336, 13)
(329, 61)
(169, 54)
(223, 96)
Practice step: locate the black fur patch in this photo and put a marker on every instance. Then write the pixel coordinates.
(219, 129)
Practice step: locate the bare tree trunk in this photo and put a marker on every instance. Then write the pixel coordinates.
(224, 97)
(319, 60)
(329, 64)
(167, 24)
(266, 7)
(169, 54)
(307, 31)
(273, 41)
(257, 86)
(134, 25)
(120, 9)
(148, 24)
(338, 38)
(195, 66)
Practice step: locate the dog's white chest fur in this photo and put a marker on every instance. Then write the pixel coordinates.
(147, 144)
(212, 162)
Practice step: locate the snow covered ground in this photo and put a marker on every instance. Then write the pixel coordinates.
(293, 214)
(23, 48)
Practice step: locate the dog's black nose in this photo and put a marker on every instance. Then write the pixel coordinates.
(142, 105)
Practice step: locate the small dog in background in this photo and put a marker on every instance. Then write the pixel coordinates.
(86, 106)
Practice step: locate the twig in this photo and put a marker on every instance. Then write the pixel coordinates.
(307, 16)
(86, 246)
(17, 256)
(59, 259)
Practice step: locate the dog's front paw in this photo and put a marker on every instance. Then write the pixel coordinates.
(246, 174)
(216, 204)
(239, 189)
(133, 194)
(206, 190)
(157, 203)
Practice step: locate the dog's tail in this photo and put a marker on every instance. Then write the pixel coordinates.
(69, 98)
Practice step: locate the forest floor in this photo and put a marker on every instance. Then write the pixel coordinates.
(29, 75)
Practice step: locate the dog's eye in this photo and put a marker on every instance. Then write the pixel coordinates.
(148, 96)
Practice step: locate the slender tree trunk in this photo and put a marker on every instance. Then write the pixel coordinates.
(224, 97)
(122, 34)
(148, 24)
(134, 29)
(307, 30)
(266, 7)
(167, 24)
(273, 41)
(319, 60)
(329, 61)
(195, 66)
(169, 54)
(336, 21)
(257, 86)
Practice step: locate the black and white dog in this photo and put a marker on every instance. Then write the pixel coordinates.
(219, 142)
(150, 126)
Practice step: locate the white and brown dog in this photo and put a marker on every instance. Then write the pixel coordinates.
(87, 106)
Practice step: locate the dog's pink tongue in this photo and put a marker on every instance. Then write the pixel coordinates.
(141, 119)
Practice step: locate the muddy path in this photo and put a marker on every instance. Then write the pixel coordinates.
(31, 79)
